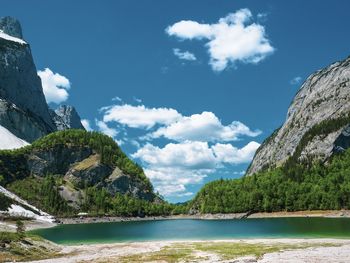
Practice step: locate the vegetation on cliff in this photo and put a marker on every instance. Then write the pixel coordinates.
(299, 187)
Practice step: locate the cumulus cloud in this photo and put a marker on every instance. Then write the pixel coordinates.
(103, 127)
(187, 154)
(55, 86)
(86, 124)
(184, 55)
(140, 116)
(227, 153)
(198, 149)
(204, 127)
(176, 166)
(234, 38)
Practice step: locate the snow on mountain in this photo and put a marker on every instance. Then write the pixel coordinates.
(9, 141)
(18, 210)
(11, 38)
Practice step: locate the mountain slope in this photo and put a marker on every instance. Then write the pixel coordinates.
(317, 187)
(312, 124)
(69, 163)
(305, 164)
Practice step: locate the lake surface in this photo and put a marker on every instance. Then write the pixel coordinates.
(193, 229)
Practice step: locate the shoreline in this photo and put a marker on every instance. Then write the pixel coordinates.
(282, 214)
(301, 250)
(38, 224)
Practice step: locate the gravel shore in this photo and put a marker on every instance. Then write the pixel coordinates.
(318, 250)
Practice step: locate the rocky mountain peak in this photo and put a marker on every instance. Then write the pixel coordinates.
(66, 117)
(11, 26)
(23, 108)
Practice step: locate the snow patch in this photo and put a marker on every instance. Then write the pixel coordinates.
(17, 210)
(11, 38)
(9, 141)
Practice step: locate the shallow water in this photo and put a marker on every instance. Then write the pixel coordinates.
(195, 229)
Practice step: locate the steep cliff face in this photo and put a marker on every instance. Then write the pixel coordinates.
(317, 120)
(66, 117)
(20, 84)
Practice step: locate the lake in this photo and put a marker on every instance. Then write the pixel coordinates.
(195, 229)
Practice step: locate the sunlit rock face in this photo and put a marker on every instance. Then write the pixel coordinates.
(325, 95)
(66, 117)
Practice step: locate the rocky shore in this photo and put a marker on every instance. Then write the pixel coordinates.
(101, 219)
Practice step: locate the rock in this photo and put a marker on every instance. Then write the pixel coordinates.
(56, 160)
(121, 183)
(342, 142)
(11, 26)
(21, 124)
(20, 86)
(323, 96)
(66, 117)
(89, 171)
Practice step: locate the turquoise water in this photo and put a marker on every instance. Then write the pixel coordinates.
(190, 229)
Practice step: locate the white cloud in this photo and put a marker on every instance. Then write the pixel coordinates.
(117, 99)
(140, 116)
(203, 127)
(176, 166)
(227, 153)
(55, 86)
(200, 148)
(187, 154)
(86, 124)
(296, 80)
(184, 55)
(103, 127)
(232, 39)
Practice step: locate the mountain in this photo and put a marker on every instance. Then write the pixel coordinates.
(304, 165)
(66, 117)
(23, 108)
(317, 123)
(65, 170)
(70, 165)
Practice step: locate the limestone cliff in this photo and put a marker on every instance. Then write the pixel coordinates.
(317, 121)
(20, 86)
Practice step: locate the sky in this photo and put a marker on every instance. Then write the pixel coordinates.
(189, 89)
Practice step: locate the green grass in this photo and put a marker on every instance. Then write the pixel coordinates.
(87, 163)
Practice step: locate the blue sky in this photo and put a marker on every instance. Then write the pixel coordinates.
(189, 88)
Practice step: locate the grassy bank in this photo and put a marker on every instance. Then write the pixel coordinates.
(15, 247)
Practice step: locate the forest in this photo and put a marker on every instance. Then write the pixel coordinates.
(316, 186)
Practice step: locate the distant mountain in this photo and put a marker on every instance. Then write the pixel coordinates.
(66, 117)
(317, 123)
(23, 108)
